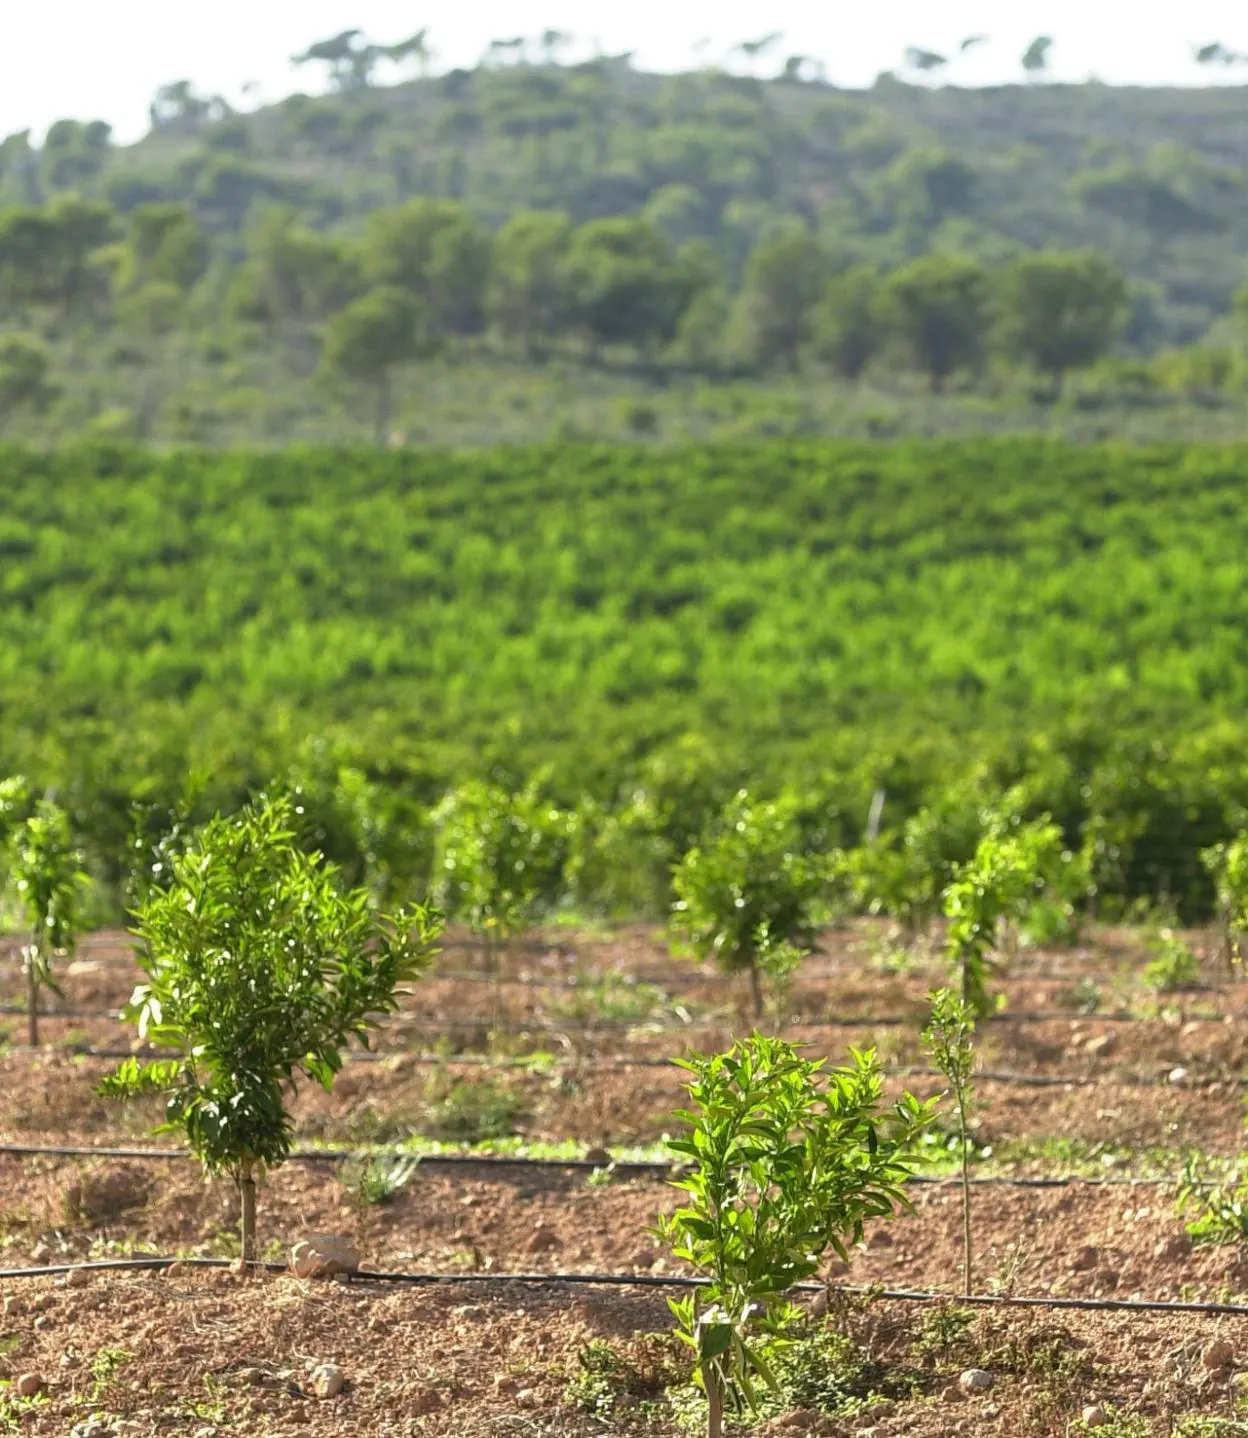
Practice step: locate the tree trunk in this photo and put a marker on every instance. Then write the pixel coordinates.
(491, 972)
(381, 432)
(756, 990)
(32, 998)
(967, 1276)
(714, 1403)
(247, 1194)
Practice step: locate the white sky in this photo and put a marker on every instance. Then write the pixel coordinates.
(103, 59)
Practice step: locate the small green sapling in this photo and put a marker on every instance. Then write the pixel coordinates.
(950, 1039)
(259, 968)
(745, 893)
(787, 1158)
(46, 870)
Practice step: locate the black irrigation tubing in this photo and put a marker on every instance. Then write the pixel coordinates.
(649, 1168)
(651, 1280)
(624, 1063)
(604, 1026)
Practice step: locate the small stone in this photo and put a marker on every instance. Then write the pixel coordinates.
(1085, 1259)
(40, 1253)
(544, 1239)
(324, 1255)
(1094, 1416)
(28, 1384)
(975, 1380)
(77, 1278)
(1101, 1046)
(599, 1156)
(328, 1380)
(93, 1427)
(1178, 1077)
(1219, 1354)
(1178, 1245)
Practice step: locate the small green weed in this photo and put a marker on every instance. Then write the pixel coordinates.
(943, 1331)
(1083, 998)
(1199, 1427)
(1221, 1206)
(611, 999)
(14, 1410)
(822, 1370)
(612, 1375)
(105, 1367)
(472, 1111)
(1175, 968)
(380, 1179)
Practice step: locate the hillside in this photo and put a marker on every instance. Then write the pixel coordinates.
(1153, 178)
(572, 242)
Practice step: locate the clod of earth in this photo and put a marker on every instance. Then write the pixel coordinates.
(324, 1255)
(1219, 1354)
(1101, 1046)
(1085, 1259)
(28, 1384)
(328, 1380)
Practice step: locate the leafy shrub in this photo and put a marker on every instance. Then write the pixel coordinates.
(45, 868)
(1008, 870)
(788, 1158)
(745, 893)
(500, 861)
(1175, 967)
(258, 967)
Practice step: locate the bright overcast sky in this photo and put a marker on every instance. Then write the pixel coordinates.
(104, 58)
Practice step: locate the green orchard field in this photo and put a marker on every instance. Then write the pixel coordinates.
(847, 615)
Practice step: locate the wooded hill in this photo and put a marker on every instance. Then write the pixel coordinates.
(1154, 179)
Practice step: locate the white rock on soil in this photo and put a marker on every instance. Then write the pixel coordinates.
(324, 1255)
(28, 1384)
(328, 1380)
(975, 1380)
(1094, 1416)
(1178, 1077)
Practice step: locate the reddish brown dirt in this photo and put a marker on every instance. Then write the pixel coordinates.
(498, 1360)
(208, 1354)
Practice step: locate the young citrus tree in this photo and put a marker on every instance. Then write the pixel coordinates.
(259, 968)
(1227, 865)
(46, 872)
(746, 893)
(950, 1039)
(499, 861)
(787, 1158)
(1009, 868)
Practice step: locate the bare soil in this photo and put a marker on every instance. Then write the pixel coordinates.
(206, 1353)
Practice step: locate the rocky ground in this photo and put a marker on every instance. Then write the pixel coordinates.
(206, 1352)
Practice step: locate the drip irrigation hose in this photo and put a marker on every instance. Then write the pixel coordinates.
(604, 1026)
(656, 1167)
(609, 1062)
(650, 1280)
